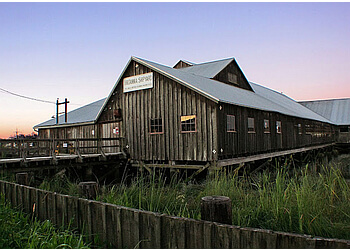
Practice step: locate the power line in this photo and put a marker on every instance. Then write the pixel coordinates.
(36, 99)
(26, 97)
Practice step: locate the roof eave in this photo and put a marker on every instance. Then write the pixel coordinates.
(64, 125)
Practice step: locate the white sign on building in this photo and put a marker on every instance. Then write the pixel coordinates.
(133, 83)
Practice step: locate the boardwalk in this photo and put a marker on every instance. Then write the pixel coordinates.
(28, 154)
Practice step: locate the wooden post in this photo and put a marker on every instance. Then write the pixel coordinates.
(88, 189)
(216, 209)
(22, 179)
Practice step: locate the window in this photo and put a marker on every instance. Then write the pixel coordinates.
(231, 123)
(300, 132)
(266, 126)
(156, 126)
(251, 127)
(232, 78)
(278, 127)
(188, 123)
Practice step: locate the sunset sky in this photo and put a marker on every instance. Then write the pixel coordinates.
(78, 50)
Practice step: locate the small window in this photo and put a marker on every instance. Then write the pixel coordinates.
(278, 127)
(231, 123)
(300, 132)
(156, 126)
(232, 78)
(251, 127)
(188, 123)
(266, 126)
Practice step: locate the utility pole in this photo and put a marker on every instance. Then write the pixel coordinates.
(65, 109)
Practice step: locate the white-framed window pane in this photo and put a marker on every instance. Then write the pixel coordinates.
(231, 123)
(251, 126)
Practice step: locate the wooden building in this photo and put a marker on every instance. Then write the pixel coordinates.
(337, 111)
(193, 114)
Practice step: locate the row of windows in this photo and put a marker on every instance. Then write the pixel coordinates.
(188, 124)
(231, 125)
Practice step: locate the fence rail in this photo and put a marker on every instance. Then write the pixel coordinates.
(121, 227)
(24, 148)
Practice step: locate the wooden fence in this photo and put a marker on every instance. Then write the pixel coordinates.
(23, 148)
(121, 227)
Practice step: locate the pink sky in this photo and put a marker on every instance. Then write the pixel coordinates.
(78, 50)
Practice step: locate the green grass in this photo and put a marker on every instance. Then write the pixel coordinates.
(20, 231)
(281, 199)
(297, 201)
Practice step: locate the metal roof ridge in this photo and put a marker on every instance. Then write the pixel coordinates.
(229, 58)
(332, 99)
(213, 98)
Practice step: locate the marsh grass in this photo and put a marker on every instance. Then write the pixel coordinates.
(284, 198)
(296, 201)
(21, 231)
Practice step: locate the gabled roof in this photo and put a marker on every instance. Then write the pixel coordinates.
(335, 110)
(208, 69)
(83, 115)
(185, 62)
(263, 98)
(199, 81)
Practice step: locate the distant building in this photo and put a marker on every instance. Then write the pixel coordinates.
(193, 113)
(335, 110)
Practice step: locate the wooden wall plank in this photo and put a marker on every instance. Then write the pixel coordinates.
(113, 226)
(130, 228)
(98, 219)
(51, 207)
(195, 236)
(72, 211)
(150, 230)
(222, 235)
(173, 232)
(42, 205)
(14, 195)
(84, 216)
(61, 210)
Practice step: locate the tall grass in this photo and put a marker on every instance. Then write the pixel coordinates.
(301, 202)
(283, 199)
(20, 231)
(154, 192)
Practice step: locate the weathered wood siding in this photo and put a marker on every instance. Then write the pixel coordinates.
(167, 100)
(241, 142)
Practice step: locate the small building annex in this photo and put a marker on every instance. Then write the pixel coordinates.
(193, 113)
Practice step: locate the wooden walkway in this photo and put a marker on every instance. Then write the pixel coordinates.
(29, 154)
(240, 160)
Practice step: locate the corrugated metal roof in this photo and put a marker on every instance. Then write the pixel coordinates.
(85, 114)
(335, 110)
(209, 69)
(263, 98)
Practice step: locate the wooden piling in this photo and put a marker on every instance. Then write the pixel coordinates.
(216, 209)
(22, 179)
(88, 189)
